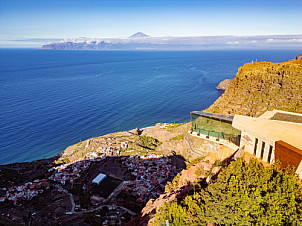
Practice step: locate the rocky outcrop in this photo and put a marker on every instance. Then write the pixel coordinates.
(223, 85)
(136, 131)
(299, 57)
(263, 86)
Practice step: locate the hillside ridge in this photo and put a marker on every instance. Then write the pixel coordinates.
(263, 86)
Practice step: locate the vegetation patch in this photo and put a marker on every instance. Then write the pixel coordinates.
(148, 142)
(174, 125)
(171, 186)
(243, 194)
(195, 161)
(259, 87)
(179, 137)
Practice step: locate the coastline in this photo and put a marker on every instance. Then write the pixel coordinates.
(75, 113)
(167, 151)
(57, 156)
(220, 102)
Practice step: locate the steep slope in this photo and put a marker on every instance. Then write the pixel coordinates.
(263, 86)
(182, 184)
(242, 194)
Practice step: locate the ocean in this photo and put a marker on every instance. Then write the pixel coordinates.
(52, 99)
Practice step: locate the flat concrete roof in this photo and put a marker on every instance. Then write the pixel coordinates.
(227, 118)
(99, 178)
(288, 132)
(285, 116)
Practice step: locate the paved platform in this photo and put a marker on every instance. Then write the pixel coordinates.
(214, 139)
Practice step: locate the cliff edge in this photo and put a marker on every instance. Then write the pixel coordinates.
(263, 86)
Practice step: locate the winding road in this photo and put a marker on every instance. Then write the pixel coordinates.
(91, 210)
(186, 138)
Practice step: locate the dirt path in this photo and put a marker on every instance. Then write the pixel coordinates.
(187, 140)
(92, 210)
(100, 207)
(70, 196)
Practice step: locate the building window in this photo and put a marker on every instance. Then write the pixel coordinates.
(270, 153)
(255, 148)
(262, 149)
(214, 125)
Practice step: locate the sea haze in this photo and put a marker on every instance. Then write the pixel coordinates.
(53, 99)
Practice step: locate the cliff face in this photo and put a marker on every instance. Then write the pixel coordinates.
(263, 86)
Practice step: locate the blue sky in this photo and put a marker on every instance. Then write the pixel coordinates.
(57, 19)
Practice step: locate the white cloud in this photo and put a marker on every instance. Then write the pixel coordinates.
(233, 43)
(292, 40)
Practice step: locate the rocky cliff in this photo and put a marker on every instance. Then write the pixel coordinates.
(263, 86)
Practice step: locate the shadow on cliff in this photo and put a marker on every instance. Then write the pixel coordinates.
(117, 168)
(19, 173)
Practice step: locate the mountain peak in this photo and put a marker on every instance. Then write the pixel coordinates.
(139, 35)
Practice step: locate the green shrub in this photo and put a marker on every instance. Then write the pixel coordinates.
(171, 186)
(66, 160)
(243, 194)
(59, 162)
(217, 163)
(148, 142)
(179, 137)
(195, 161)
(199, 171)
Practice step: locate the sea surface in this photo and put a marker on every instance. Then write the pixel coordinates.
(52, 99)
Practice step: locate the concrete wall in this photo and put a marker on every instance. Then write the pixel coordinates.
(248, 141)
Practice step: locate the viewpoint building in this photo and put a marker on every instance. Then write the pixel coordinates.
(275, 135)
(213, 125)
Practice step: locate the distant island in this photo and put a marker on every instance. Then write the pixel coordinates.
(141, 41)
(139, 35)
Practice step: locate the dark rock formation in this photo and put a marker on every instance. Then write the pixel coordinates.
(136, 131)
